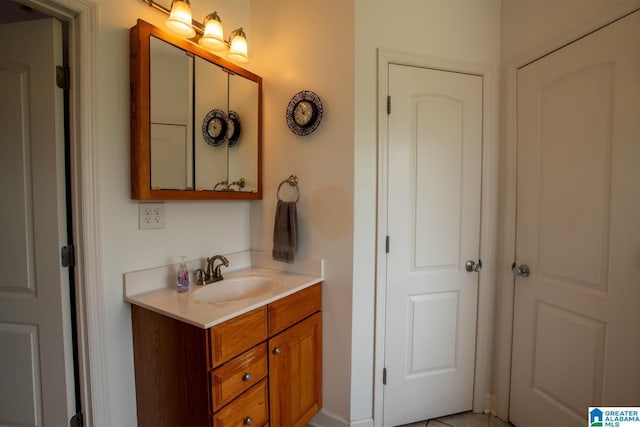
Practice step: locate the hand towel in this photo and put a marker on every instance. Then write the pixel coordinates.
(285, 233)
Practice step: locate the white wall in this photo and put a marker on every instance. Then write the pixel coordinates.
(298, 45)
(533, 27)
(194, 229)
(457, 30)
(530, 29)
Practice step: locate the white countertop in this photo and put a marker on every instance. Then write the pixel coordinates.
(182, 306)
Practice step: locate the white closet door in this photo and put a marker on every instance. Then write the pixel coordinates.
(576, 342)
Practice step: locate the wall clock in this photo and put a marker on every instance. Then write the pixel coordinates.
(233, 128)
(304, 112)
(214, 127)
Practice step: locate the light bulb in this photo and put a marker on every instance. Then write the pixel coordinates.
(179, 21)
(238, 48)
(213, 38)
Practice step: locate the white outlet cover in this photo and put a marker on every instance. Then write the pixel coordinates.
(151, 216)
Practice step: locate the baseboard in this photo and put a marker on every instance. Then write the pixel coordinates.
(363, 422)
(326, 418)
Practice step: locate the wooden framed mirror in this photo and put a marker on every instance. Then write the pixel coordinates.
(196, 122)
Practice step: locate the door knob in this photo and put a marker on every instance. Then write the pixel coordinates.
(247, 377)
(277, 350)
(520, 270)
(248, 421)
(471, 266)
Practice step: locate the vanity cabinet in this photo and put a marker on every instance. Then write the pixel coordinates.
(259, 368)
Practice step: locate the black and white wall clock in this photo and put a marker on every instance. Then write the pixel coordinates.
(304, 112)
(214, 127)
(233, 128)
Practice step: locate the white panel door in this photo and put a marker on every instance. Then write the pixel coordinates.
(434, 183)
(576, 317)
(36, 386)
(169, 156)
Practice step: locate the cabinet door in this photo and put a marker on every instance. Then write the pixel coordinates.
(295, 373)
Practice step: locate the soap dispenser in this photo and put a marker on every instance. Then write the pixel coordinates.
(182, 279)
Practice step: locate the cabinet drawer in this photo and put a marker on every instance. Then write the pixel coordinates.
(287, 311)
(234, 336)
(238, 375)
(248, 409)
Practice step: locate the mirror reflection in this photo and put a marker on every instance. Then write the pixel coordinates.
(243, 154)
(212, 105)
(171, 94)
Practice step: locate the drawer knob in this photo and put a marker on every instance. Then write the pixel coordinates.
(247, 377)
(248, 421)
(277, 350)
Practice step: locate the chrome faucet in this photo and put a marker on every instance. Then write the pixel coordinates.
(213, 273)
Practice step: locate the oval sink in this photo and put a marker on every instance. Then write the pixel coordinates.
(235, 288)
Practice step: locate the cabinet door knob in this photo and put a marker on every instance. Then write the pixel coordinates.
(247, 377)
(277, 350)
(248, 421)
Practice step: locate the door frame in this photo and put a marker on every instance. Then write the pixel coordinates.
(507, 231)
(82, 17)
(482, 399)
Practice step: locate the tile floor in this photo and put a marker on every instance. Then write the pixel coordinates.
(464, 419)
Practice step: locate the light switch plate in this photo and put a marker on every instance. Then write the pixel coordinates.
(151, 216)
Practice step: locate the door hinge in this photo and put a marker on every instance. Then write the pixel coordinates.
(62, 77)
(76, 420)
(386, 245)
(384, 376)
(67, 255)
(388, 104)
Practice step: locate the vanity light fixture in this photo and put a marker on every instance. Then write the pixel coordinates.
(211, 35)
(179, 20)
(213, 38)
(238, 46)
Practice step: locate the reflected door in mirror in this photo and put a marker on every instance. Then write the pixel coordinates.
(171, 119)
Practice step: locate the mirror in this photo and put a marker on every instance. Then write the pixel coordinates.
(243, 154)
(195, 122)
(171, 118)
(211, 110)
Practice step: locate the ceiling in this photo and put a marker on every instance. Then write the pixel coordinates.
(10, 11)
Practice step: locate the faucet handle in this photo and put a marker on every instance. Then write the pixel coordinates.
(200, 277)
(217, 273)
(223, 261)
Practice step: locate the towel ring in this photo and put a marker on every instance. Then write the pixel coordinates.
(292, 181)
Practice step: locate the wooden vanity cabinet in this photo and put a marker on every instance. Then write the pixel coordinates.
(261, 368)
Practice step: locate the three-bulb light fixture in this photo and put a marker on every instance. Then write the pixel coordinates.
(181, 23)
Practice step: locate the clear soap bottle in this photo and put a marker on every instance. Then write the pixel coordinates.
(182, 279)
